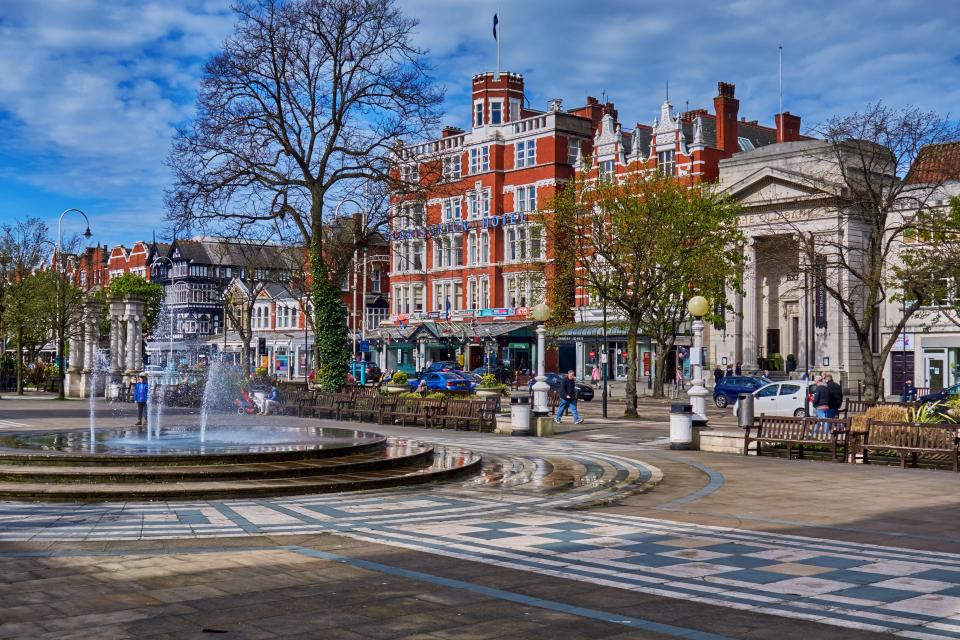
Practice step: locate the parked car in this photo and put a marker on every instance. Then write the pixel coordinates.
(442, 381)
(730, 387)
(584, 391)
(372, 375)
(779, 399)
(942, 395)
(470, 377)
(445, 365)
(503, 374)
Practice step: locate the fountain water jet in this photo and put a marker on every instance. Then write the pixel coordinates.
(98, 371)
(211, 392)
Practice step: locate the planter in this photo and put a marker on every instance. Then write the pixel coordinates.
(488, 393)
(397, 388)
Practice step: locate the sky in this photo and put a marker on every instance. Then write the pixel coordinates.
(91, 91)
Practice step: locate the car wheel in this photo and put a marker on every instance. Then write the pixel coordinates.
(721, 401)
(799, 413)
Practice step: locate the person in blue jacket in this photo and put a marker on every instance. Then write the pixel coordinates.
(141, 393)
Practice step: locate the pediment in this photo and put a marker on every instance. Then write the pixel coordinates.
(776, 186)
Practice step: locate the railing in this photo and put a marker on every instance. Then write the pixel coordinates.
(529, 124)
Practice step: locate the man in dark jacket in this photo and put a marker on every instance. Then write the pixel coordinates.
(568, 399)
(834, 396)
(821, 399)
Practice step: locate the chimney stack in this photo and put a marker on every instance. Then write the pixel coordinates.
(788, 127)
(726, 107)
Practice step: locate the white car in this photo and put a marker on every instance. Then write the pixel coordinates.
(779, 399)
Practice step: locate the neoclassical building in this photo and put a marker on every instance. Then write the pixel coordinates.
(789, 191)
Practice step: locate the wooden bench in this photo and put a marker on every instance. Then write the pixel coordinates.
(930, 441)
(489, 407)
(457, 413)
(415, 411)
(851, 407)
(801, 432)
(521, 380)
(326, 405)
(373, 408)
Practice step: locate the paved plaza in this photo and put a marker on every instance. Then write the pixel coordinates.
(600, 532)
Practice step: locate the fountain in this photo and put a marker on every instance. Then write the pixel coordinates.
(99, 368)
(212, 389)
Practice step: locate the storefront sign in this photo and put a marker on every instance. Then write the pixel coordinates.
(459, 226)
(646, 363)
(904, 342)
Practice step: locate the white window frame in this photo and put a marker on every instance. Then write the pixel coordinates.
(496, 109)
(666, 161)
(478, 114)
(526, 153)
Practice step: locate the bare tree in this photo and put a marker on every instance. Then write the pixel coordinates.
(878, 190)
(307, 98)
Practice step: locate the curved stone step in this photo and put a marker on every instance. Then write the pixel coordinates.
(396, 453)
(447, 462)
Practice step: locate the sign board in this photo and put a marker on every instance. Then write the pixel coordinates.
(364, 346)
(459, 226)
(603, 358)
(904, 342)
(646, 363)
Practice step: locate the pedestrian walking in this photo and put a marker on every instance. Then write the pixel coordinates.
(595, 375)
(141, 393)
(729, 370)
(717, 375)
(739, 369)
(568, 399)
(678, 380)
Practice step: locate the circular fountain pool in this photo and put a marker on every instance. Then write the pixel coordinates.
(184, 440)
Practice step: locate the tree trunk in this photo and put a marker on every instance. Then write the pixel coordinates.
(631, 395)
(872, 374)
(246, 350)
(659, 368)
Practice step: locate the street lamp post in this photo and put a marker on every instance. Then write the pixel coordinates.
(541, 313)
(698, 307)
(61, 292)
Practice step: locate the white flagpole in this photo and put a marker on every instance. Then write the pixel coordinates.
(499, 34)
(780, 73)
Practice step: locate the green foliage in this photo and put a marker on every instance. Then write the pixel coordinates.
(129, 285)
(563, 280)
(775, 362)
(488, 381)
(932, 413)
(400, 378)
(330, 328)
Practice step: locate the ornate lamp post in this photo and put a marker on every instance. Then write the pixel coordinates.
(698, 307)
(541, 313)
(61, 293)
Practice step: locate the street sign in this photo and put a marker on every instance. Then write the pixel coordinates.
(364, 346)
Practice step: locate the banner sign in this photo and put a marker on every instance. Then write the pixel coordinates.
(820, 296)
(459, 226)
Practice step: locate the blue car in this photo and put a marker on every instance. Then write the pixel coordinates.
(730, 387)
(472, 379)
(442, 381)
(941, 396)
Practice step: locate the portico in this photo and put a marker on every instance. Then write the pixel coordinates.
(781, 312)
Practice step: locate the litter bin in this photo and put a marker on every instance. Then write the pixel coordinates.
(681, 426)
(520, 413)
(745, 410)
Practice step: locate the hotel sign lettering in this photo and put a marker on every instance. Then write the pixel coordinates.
(459, 226)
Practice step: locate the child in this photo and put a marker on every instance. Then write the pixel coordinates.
(141, 393)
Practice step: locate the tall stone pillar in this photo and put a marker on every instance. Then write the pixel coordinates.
(91, 331)
(73, 377)
(751, 302)
(129, 358)
(117, 365)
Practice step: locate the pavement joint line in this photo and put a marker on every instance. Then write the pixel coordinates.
(419, 576)
(540, 603)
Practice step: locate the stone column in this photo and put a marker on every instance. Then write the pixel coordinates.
(129, 357)
(72, 380)
(91, 333)
(750, 304)
(116, 338)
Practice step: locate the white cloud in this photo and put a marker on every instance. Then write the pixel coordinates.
(90, 91)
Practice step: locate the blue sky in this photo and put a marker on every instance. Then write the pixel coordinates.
(90, 91)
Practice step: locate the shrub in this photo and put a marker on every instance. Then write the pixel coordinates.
(885, 412)
(931, 413)
(400, 378)
(489, 381)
